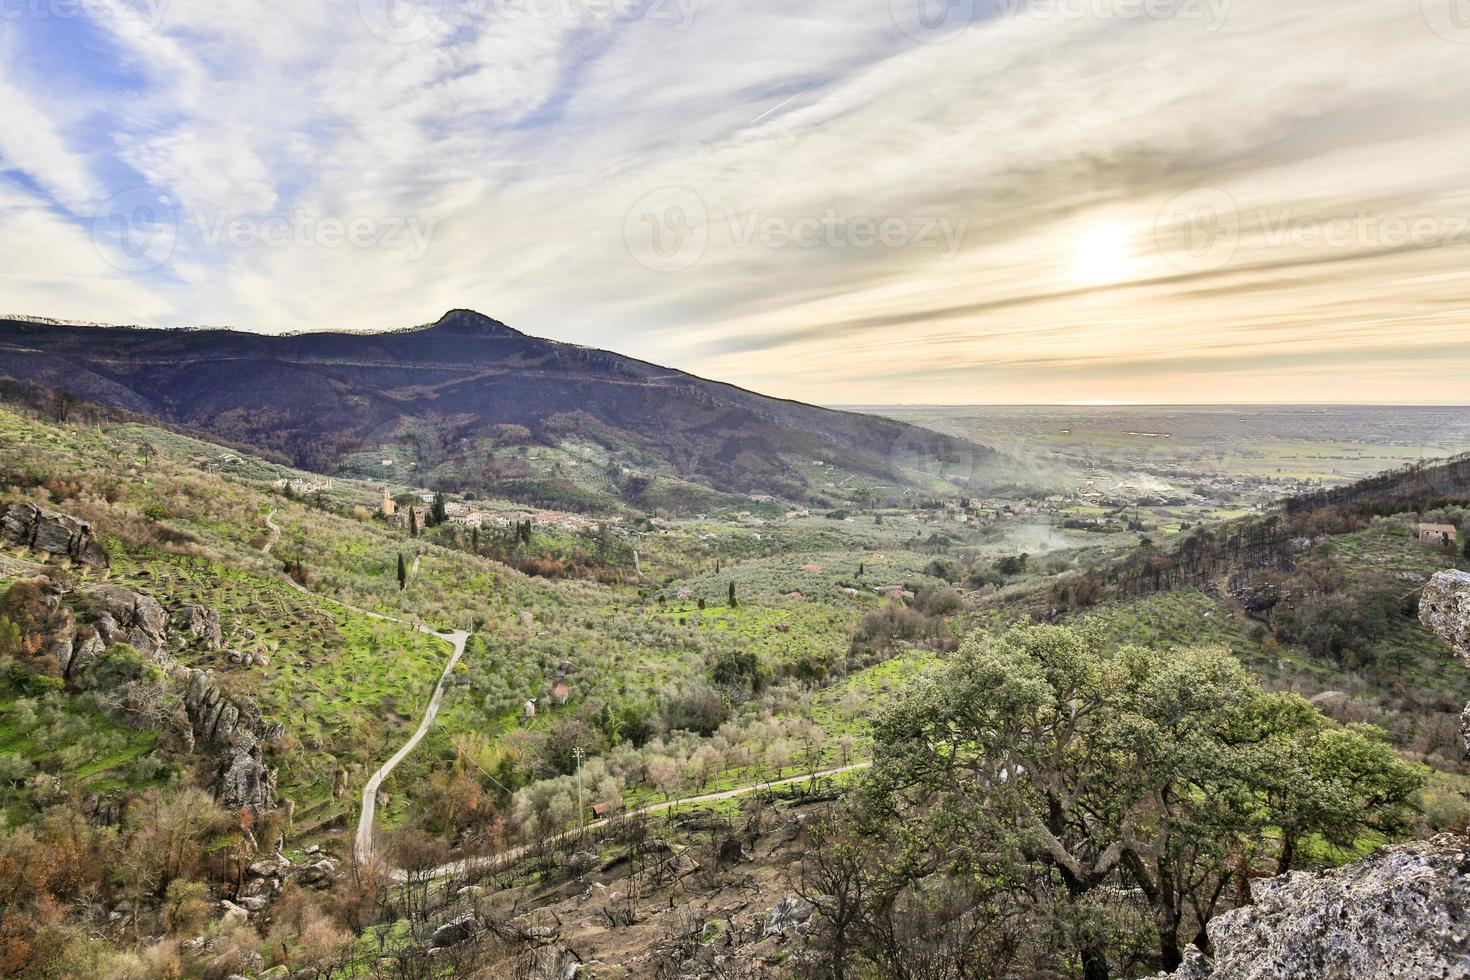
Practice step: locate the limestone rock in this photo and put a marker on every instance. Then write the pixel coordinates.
(231, 730)
(1445, 609)
(233, 914)
(131, 617)
(87, 647)
(787, 917)
(61, 535)
(457, 930)
(200, 623)
(1404, 912)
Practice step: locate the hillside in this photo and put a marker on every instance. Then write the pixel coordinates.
(469, 404)
(239, 658)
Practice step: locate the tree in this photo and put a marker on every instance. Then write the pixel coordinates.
(733, 602)
(402, 573)
(437, 512)
(413, 523)
(1035, 754)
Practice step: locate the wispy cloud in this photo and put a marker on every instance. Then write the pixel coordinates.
(840, 203)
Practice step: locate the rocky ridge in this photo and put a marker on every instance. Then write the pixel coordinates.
(79, 633)
(59, 535)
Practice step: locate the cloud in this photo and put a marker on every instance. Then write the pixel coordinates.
(521, 135)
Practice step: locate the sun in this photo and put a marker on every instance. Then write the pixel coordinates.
(1103, 255)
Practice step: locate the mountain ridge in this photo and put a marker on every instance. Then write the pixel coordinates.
(318, 398)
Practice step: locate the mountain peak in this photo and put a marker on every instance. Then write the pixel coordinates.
(468, 323)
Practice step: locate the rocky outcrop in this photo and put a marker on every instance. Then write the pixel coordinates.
(59, 535)
(131, 617)
(200, 623)
(1404, 912)
(1445, 609)
(231, 731)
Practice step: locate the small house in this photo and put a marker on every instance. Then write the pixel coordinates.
(604, 811)
(1440, 534)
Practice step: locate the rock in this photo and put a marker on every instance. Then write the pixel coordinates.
(264, 868)
(1404, 912)
(254, 903)
(231, 730)
(552, 962)
(275, 973)
(27, 525)
(233, 914)
(244, 781)
(133, 618)
(200, 623)
(787, 917)
(1330, 701)
(312, 849)
(1445, 608)
(457, 930)
(87, 647)
(583, 862)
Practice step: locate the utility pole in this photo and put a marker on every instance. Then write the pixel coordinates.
(581, 813)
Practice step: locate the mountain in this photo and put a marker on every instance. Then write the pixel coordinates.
(466, 403)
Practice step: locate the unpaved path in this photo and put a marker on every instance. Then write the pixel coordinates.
(363, 844)
(516, 853)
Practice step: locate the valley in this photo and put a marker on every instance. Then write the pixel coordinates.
(545, 696)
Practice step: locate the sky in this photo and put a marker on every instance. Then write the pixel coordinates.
(856, 202)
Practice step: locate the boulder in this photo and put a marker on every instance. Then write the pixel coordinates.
(457, 930)
(233, 914)
(556, 961)
(1404, 912)
(200, 623)
(131, 617)
(244, 781)
(1445, 608)
(87, 647)
(26, 525)
(787, 918)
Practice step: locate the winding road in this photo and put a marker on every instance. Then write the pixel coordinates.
(363, 843)
(516, 853)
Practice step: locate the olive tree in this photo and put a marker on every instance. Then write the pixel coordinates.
(1171, 773)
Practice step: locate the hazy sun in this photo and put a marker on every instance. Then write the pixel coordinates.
(1102, 255)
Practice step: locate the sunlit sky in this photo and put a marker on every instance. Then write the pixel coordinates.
(979, 201)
